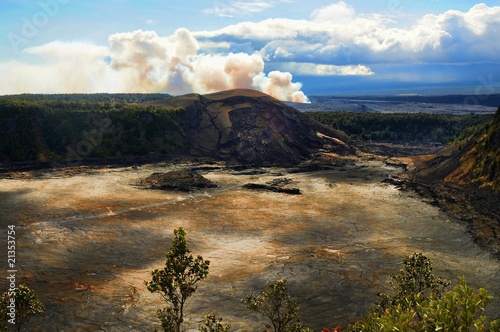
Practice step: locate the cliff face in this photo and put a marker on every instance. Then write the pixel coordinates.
(252, 128)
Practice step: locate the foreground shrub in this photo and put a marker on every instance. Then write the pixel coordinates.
(276, 304)
(420, 303)
(458, 310)
(27, 305)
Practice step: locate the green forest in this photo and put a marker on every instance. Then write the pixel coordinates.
(74, 128)
(401, 127)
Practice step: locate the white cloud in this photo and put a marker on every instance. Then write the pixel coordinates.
(336, 35)
(214, 46)
(253, 6)
(337, 13)
(267, 30)
(312, 69)
(231, 8)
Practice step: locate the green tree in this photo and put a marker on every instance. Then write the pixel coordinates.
(27, 305)
(276, 304)
(176, 282)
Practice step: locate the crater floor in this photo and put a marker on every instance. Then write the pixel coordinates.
(87, 241)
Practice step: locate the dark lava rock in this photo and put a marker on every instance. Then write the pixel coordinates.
(182, 180)
(276, 185)
(396, 181)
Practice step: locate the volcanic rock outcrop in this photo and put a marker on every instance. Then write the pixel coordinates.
(182, 180)
(279, 185)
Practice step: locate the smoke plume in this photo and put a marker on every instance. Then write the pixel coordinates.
(142, 61)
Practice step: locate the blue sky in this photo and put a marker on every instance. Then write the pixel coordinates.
(288, 48)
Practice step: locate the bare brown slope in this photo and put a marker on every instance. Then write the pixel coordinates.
(474, 160)
(249, 127)
(481, 163)
(217, 96)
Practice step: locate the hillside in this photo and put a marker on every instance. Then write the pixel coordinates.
(249, 127)
(465, 180)
(237, 126)
(481, 163)
(473, 160)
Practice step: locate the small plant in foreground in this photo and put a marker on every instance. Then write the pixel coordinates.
(276, 304)
(176, 282)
